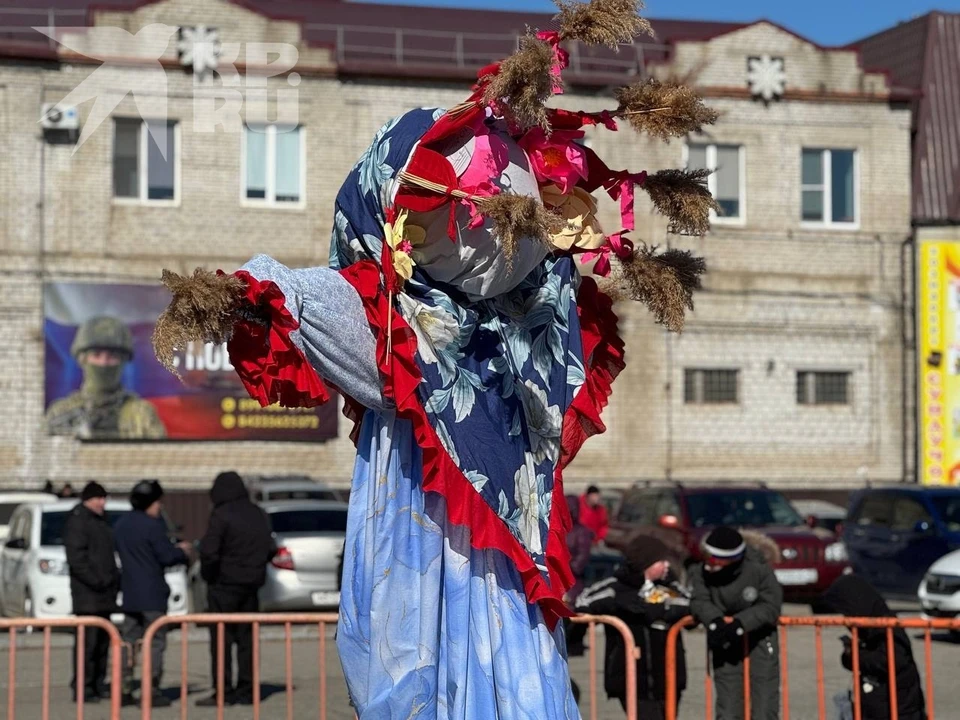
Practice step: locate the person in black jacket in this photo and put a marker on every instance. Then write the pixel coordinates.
(855, 597)
(645, 594)
(734, 581)
(234, 554)
(94, 584)
(146, 551)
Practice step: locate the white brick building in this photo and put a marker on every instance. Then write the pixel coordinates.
(790, 370)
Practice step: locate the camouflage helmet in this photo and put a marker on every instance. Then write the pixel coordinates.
(103, 333)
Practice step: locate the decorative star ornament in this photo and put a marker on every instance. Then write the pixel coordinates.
(766, 77)
(199, 47)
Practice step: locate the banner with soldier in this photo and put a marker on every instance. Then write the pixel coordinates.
(103, 383)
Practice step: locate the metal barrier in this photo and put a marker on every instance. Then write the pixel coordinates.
(854, 624)
(630, 651)
(288, 620)
(321, 620)
(80, 624)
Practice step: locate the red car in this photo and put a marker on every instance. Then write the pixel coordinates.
(810, 558)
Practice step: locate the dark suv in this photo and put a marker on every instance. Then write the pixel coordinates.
(681, 516)
(895, 533)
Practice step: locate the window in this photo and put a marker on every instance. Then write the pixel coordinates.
(145, 160)
(710, 386)
(829, 187)
(309, 521)
(908, 513)
(751, 508)
(726, 180)
(273, 165)
(876, 511)
(668, 504)
(638, 508)
(823, 388)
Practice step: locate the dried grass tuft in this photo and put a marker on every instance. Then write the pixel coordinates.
(523, 85)
(682, 196)
(519, 216)
(202, 310)
(664, 110)
(602, 22)
(664, 282)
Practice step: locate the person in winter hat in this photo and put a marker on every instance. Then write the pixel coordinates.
(94, 583)
(146, 551)
(647, 595)
(738, 600)
(593, 513)
(234, 554)
(853, 596)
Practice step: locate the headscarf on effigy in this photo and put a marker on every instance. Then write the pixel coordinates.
(460, 230)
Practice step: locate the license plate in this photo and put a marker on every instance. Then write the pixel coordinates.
(797, 577)
(325, 599)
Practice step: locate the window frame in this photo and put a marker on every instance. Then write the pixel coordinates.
(701, 400)
(143, 178)
(811, 389)
(270, 201)
(711, 160)
(826, 167)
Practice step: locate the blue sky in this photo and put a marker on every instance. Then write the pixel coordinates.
(828, 23)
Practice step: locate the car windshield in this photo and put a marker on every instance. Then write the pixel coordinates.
(751, 508)
(304, 494)
(308, 521)
(948, 508)
(6, 512)
(52, 523)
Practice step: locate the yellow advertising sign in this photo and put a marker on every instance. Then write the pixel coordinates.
(938, 278)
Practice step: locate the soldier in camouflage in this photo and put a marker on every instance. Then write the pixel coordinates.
(102, 409)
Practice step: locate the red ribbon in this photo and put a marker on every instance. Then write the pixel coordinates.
(616, 244)
(620, 187)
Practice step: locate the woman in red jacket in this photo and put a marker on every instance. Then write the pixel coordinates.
(593, 513)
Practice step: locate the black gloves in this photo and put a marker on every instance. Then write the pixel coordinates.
(722, 635)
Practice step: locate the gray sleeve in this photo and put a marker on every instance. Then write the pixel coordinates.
(334, 334)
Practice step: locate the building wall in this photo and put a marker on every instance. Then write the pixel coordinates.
(779, 297)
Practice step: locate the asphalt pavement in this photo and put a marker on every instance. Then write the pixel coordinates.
(305, 672)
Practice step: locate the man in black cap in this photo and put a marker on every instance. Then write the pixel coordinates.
(146, 551)
(94, 583)
(234, 554)
(738, 599)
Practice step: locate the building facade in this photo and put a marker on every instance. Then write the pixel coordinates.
(791, 370)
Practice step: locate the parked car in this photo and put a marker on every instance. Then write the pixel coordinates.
(939, 592)
(33, 562)
(820, 513)
(10, 501)
(305, 573)
(271, 489)
(894, 534)
(681, 516)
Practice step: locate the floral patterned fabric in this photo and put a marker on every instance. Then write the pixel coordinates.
(498, 374)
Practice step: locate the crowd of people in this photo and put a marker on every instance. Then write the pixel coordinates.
(233, 555)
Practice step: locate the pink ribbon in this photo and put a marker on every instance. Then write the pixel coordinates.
(484, 189)
(616, 244)
(623, 190)
(561, 58)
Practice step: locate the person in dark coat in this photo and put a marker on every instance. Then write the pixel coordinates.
(234, 554)
(646, 594)
(855, 597)
(94, 584)
(735, 583)
(579, 542)
(146, 551)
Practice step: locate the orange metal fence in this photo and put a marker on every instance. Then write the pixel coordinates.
(630, 651)
(81, 625)
(818, 623)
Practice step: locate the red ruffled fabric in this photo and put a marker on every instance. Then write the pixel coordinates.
(465, 506)
(271, 367)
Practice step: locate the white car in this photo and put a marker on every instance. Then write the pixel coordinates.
(940, 588)
(33, 563)
(10, 501)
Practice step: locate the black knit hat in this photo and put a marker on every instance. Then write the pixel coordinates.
(724, 543)
(145, 493)
(93, 490)
(592, 489)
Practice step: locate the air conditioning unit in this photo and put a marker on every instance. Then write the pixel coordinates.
(59, 117)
